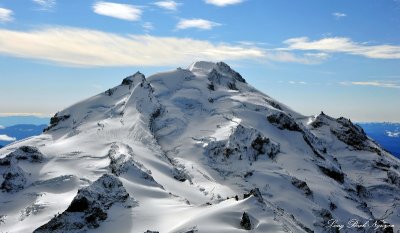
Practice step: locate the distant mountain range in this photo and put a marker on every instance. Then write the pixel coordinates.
(6, 121)
(386, 134)
(17, 132)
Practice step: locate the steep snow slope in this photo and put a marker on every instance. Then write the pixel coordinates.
(196, 150)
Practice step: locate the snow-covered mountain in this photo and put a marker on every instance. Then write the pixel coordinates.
(196, 150)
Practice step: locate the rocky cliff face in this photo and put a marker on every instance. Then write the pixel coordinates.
(196, 150)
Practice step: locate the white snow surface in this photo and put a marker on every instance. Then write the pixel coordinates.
(184, 143)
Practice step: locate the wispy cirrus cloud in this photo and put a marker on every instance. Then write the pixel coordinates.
(89, 48)
(343, 45)
(168, 5)
(82, 47)
(338, 15)
(117, 10)
(147, 26)
(196, 23)
(222, 3)
(45, 4)
(6, 138)
(307, 58)
(6, 15)
(297, 82)
(386, 84)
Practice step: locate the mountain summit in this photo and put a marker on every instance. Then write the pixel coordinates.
(196, 150)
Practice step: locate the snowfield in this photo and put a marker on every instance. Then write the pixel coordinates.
(196, 150)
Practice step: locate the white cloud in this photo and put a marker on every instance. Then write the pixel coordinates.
(88, 48)
(148, 26)
(223, 2)
(2, 127)
(168, 5)
(338, 15)
(377, 84)
(45, 4)
(82, 47)
(6, 138)
(6, 15)
(298, 82)
(344, 45)
(387, 84)
(117, 10)
(307, 58)
(393, 134)
(196, 23)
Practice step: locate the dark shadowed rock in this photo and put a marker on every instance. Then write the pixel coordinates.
(131, 79)
(393, 178)
(245, 222)
(14, 179)
(333, 173)
(110, 92)
(323, 216)
(28, 153)
(362, 191)
(332, 206)
(227, 70)
(350, 134)
(347, 132)
(302, 185)
(256, 193)
(244, 143)
(55, 120)
(79, 204)
(222, 75)
(283, 121)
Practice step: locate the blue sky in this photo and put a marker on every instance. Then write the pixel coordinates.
(342, 57)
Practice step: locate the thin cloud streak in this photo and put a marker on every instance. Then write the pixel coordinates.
(69, 46)
(45, 5)
(147, 26)
(343, 45)
(88, 48)
(307, 58)
(384, 84)
(36, 114)
(338, 15)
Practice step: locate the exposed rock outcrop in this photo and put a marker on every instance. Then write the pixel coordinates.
(245, 222)
(89, 207)
(55, 120)
(244, 143)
